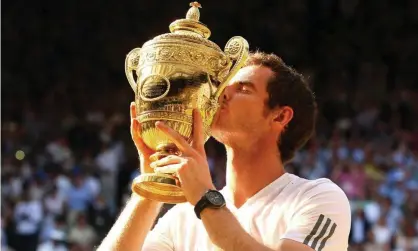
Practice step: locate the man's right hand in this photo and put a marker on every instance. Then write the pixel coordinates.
(144, 151)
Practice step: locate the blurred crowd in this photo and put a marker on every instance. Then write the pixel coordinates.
(67, 156)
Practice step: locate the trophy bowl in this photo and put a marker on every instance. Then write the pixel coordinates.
(171, 75)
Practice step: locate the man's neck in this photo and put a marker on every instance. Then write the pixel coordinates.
(250, 170)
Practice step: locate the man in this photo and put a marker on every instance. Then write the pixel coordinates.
(28, 219)
(267, 113)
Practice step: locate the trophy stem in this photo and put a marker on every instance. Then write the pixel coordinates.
(160, 186)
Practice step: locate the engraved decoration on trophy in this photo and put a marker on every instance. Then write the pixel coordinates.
(171, 75)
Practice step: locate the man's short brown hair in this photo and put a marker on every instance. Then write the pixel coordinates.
(288, 88)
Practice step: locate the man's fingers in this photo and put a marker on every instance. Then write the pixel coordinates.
(136, 136)
(198, 132)
(177, 139)
(170, 169)
(133, 110)
(136, 131)
(169, 160)
(135, 128)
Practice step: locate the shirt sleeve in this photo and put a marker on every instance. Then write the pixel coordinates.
(322, 221)
(160, 238)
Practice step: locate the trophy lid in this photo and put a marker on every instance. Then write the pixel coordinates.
(188, 29)
(191, 23)
(186, 50)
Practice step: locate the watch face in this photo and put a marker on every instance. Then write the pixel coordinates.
(215, 198)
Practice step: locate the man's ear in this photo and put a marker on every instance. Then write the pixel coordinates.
(283, 117)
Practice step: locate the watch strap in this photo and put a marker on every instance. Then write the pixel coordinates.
(200, 205)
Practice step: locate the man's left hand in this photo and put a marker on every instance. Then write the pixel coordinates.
(191, 167)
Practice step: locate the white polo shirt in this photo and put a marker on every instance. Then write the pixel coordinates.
(314, 212)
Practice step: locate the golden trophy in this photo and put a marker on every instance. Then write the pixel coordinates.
(175, 73)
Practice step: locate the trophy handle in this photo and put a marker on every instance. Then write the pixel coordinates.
(237, 49)
(131, 64)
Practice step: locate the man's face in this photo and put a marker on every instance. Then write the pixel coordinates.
(243, 103)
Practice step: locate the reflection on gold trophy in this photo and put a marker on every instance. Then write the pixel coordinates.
(171, 75)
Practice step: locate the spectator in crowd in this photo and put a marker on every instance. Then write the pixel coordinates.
(54, 203)
(100, 216)
(78, 197)
(56, 242)
(360, 229)
(82, 234)
(381, 236)
(28, 219)
(54, 227)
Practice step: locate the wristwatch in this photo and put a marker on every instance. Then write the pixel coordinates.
(211, 199)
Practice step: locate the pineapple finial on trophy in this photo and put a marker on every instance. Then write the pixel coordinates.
(194, 13)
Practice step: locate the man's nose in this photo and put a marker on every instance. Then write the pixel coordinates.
(227, 93)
